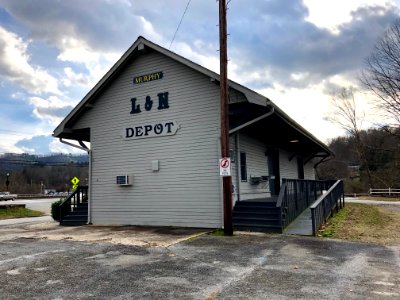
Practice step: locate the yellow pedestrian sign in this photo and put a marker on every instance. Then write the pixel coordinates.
(74, 182)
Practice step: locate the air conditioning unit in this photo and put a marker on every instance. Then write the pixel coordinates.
(123, 180)
(254, 180)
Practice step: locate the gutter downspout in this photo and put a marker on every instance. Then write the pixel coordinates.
(90, 189)
(82, 147)
(237, 165)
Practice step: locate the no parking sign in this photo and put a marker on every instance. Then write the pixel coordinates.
(225, 167)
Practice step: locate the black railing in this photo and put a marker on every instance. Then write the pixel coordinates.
(326, 204)
(296, 195)
(79, 196)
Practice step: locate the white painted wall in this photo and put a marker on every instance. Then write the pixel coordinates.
(257, 165)
(186, 190)
(289, 168)
(309, 171)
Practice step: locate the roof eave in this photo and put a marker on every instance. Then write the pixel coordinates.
(252, 96)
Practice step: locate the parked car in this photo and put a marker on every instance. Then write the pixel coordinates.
(7, 196)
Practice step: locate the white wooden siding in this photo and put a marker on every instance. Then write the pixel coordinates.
(309, 171)
(186, 190)
(257, 165)
(288, 169)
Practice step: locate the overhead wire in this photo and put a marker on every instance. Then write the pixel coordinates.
(179, 25)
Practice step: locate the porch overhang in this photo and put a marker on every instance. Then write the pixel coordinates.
(82, 135)
(272, 126)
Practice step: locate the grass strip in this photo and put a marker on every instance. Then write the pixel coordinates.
(378, 198)
(18, 212)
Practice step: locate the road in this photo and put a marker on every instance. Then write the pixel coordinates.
(371, 202)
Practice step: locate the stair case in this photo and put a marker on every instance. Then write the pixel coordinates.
(78, 216)
(256, 215)
(74, 209)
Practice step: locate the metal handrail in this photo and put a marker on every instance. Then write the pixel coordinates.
(296, 195)
(73, 201)
(323, 208)
(281, 194)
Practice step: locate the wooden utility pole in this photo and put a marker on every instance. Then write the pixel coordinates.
(227, 181)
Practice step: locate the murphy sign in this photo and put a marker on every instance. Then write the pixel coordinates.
(147, 77)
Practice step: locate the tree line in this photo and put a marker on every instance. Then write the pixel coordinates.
(378, 167)
(33, 174)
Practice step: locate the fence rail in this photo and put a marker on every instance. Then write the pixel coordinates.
(388, 191)
(326, 204)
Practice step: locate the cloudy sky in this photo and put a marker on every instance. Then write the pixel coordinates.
(295, 52)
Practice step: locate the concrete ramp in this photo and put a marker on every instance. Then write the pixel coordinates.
(302, 225)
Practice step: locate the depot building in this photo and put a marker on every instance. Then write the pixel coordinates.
(152, 124)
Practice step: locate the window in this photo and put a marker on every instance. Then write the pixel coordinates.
(243, 166)
(300, 167)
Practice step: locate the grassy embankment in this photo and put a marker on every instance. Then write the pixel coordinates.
(365, 223)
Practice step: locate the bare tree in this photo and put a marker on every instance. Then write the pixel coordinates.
(346, 115)
(382, 72)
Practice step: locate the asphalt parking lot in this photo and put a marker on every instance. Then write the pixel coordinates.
(181, 264)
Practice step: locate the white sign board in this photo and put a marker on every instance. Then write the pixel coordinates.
(225, 167)
(150, 130)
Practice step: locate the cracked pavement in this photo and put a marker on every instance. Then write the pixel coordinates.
(168, 263)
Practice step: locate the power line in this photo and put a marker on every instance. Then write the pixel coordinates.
(180, 22)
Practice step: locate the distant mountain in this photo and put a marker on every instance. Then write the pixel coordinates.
(13, 161)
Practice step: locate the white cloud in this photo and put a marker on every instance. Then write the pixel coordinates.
(15, 66)
(97, 61)
(185, 50)
(8, 141)
(312, 108)
(148, 28)
(331, 14)
(51, 110)
(74, 78)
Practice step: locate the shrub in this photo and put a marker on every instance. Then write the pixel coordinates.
(55, 209)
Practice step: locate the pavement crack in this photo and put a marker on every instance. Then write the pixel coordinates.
(23, 257)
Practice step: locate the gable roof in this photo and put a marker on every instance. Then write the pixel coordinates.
(252, 97)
